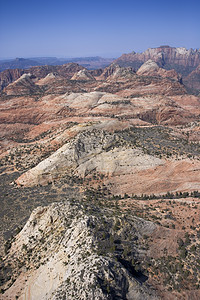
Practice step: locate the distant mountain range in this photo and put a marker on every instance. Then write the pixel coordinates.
(25, 63)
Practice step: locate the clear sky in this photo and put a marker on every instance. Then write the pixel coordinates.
(89, 28)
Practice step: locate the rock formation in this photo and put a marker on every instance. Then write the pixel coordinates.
(23, 86)
(151, 68)
(61, 247)
(49, 79)
(82, 75)
(164, 56)
(91, 150)
(115, 72)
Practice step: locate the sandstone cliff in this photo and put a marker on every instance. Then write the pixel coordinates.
(164, 56)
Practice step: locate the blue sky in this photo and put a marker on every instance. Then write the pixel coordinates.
(88, 28)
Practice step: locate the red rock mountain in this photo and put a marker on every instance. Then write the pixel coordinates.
(180, 59)
(164, 55)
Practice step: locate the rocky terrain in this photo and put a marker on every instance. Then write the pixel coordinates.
(116, 150)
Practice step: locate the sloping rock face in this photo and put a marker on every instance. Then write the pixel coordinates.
(49, 79)
(151, 68)
(89, 151)
(148, 66)
(41, 71)
(179, 59)
(182, 60)
(82, 75)
(115, 72)
(68, 70)
(23, 86)
(65, 257)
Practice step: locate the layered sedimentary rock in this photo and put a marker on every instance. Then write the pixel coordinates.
(164, 56)
(82, 75)
(115, 72)
(23, 86)
(90, 150)
(151, 68)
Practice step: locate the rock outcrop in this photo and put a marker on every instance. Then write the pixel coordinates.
(170, 58)
(90, 150)
(151, 68)
(66, 71)
(65, 256)
(115, 72)
(49, 79)
(82, 75)
(179, 59)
